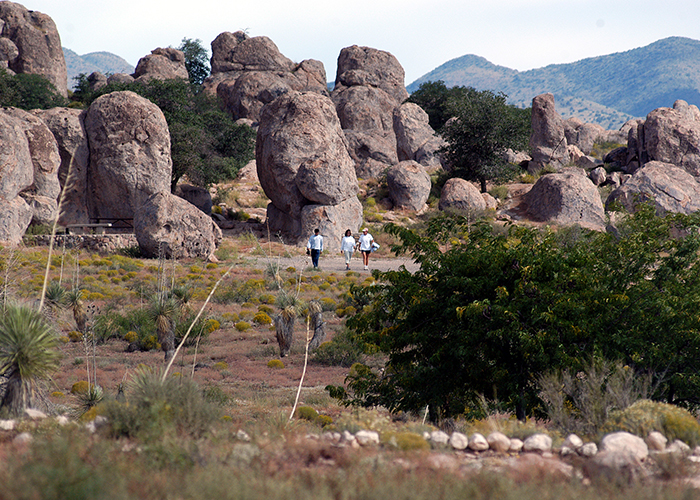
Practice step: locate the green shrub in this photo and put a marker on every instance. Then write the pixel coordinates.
(262, 318)
(242, 326)
(220, 365)
(645, 416)
(306, 413)
(328, 304)
(80, 387)
(275, 364)
(499, 192)
(405, 441)
(343, 350)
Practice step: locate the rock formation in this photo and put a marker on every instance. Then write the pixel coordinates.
(304, 168)
(129, 154)
(247, 73)
(170, 226)
(29, 43)
(460, 195)
(161, 64)
(409, 185)
(415, 138)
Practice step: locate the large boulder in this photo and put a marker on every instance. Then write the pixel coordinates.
(170, 226)
(409, 185)
(332, 220)
(161, 64)
(302, 159)
(415, 138)
(671, 187)
(583, 135)
(247, 73)
(32, 45)
(16, 167)
(460, 195)
(129, 154)
(43, 193)
(368, 67)
(672, 135)
(567, 197)
(66, 124)
(15, 216)
(547, 139)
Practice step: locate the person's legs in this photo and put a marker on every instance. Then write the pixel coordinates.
(348, 258)
(315, 254)
(365, 258)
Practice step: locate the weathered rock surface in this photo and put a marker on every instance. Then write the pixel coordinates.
(196, 195)
(66, 124)
(415, 138)
(167, 224)
(567, 197)
(302, 162)
(161, 64)
(672, 188)
(672, 135)
(460, 195)
(15, 216)
(16, 168)
(547, 140)
(31, 44)
(129, 154)
(409, 185)
(332, 220)
(368, 67)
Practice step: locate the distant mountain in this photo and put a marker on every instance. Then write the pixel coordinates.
(104, 62)
(607, 90)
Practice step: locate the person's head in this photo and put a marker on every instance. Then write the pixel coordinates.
(316, 231)
(365, 231)
(348, 232)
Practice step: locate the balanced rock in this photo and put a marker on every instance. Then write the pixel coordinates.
(567, 197)
(409, 185)
(32, 44)
(415, 138)
(547, 139)
(129, 154)
(365, 66)
(161, 64)
(172, 227)
(460, 195)
(671, 187)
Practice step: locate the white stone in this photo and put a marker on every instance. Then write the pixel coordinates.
(588, 450)
(516, 445)
(477, 442)
(678, 446)
(459, 441)
(367, 438)
(573, 441)
(22, 438)
(538, 443)
(566, 451)
(656, 441)
(62, 420)
(498, 442)
(34, 414)
(242, 435)
(439, 437)
(625, 442)
(7, 425)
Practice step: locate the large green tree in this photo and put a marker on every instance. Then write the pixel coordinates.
(27, 91)
(490, 311)
(196, 59)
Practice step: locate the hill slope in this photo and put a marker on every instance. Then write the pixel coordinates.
(104, 62)
(607, 90)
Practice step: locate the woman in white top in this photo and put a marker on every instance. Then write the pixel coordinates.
(366, 241)
(347, 247)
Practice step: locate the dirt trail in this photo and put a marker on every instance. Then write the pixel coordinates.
(336, 263)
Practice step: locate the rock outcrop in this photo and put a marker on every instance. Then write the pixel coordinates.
(304, 168)
(671, 187)
(161, 64)
(547, 140)
(415, 138)
(129, 154)
(16, 175)
(29, 43)
(247, 73)
(459, 195)
(409, 185)
(567, 197)
(170, 226)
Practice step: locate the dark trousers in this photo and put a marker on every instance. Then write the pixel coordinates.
(315, 254)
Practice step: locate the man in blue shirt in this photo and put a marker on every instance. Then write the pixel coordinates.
(315, 244)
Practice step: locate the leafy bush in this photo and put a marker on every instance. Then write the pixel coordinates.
(242, 326)
(645, 416)
(262, 318)
(275, 364)
(343, 350)
(405, 441)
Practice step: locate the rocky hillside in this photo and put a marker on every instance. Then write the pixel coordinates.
(104, 62)
(607, 90)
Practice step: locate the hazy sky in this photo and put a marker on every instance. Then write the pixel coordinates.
(422, 34)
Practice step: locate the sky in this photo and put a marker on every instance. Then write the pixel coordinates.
(421, 34)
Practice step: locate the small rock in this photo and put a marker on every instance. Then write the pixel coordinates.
(566, 451)
(7, 425)
(588, 450)
(516, 445)
(62, 420)
(333, 437)
(439, 437)
(367, 438)
(678, 446)
(538, 443)
(477, 442)
(625, 442)
(498, 442)
(656, 441)
(459, 441)
(34, 414)
(23, 438)
(573, 441)
(242, 435)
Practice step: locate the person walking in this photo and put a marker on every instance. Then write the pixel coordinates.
(366, 241)
(315, 245)
(347, 247)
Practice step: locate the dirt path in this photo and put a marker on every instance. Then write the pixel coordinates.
(336, 263)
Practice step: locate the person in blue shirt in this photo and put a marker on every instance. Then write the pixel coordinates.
(315, 245)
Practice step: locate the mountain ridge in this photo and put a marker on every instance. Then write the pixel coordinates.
(608, 89)
(104, 62)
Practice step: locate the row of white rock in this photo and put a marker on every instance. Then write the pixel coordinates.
(498, 442)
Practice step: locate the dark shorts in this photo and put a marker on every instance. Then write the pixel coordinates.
(366, 251)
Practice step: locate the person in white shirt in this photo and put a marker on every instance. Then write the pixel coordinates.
(315, 245)
(347, 247)
(366, 241)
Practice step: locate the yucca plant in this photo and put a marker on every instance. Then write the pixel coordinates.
(74, 299)
(28, 355)
(284, 328)
(56, 298)
(162, 311)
